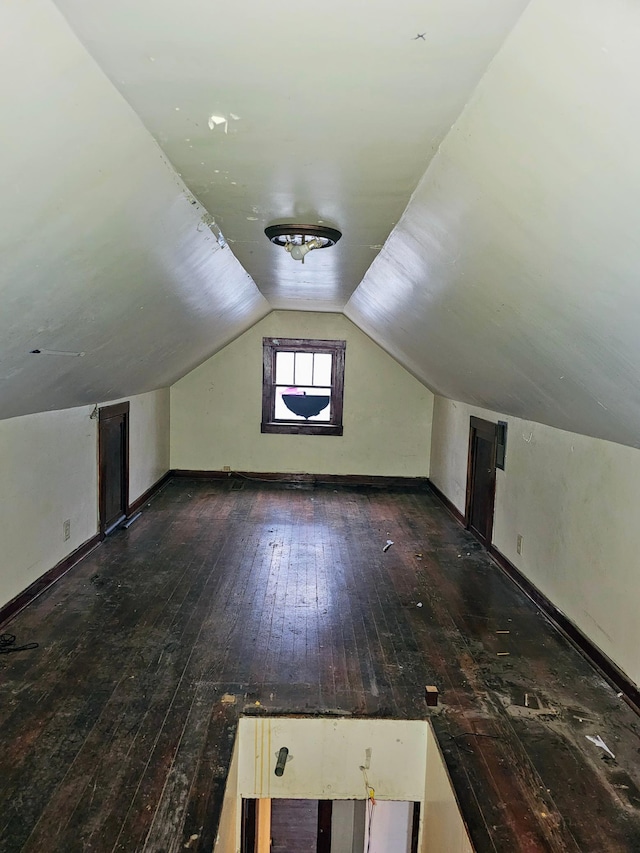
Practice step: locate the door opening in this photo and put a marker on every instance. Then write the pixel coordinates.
(113, 467)
(280, 825)
(481, 479)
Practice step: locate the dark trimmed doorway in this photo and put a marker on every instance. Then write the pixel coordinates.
(113, 469)
(481, 479)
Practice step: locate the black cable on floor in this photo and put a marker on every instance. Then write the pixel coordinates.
(7, 644)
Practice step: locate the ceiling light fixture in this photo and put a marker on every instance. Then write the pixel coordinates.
(299, 240)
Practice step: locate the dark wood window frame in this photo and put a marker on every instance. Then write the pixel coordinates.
(270, 347)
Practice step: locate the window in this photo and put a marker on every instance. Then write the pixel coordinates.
(302, 386)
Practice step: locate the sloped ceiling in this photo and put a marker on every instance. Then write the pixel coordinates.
(503, 142)
(103, 249)
(513, 279)
(325, 113)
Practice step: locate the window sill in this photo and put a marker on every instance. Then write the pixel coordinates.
(301, 429)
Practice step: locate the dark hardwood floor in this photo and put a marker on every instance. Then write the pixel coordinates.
(113, 733)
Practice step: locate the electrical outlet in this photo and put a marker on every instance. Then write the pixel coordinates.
(66, 529)
(226, 467)
(519, 544)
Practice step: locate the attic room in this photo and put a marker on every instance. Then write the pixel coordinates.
(479, 164)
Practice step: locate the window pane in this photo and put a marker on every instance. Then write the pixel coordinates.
(284, 368)
(281, 412)
(312, 404)
(304, 368)
(322, 368)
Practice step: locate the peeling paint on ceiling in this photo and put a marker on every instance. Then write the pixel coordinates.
(340, 111)
(480, 160)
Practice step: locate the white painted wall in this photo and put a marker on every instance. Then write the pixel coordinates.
(228, 836)
(575, 501)
(443, 830)
(326, 756)
(49, 473)
(216, 409)
(388, 827)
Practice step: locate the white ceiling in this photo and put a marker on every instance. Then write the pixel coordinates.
(103, 250)
(513, 279)
(339, 110)
(504, 144)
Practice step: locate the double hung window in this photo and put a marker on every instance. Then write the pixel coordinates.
(302, 387)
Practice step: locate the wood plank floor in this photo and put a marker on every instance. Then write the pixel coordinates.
(113, 735)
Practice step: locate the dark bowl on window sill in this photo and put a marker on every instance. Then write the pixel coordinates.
(306, 405)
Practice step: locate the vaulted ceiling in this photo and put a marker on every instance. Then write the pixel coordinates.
(479, 158)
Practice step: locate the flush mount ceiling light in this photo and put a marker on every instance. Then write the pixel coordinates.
(299, 240)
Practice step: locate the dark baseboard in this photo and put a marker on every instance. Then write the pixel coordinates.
(596, 657)
(455, 512)
(326, 479)
(9, 610)
(613, 674)
(145, 497)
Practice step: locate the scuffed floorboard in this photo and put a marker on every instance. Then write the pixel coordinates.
(115, 735)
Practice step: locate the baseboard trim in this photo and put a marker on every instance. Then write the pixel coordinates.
(151, 492)
(607, 668)
(453, 509)
(35, 589)
(596, 657)
(326, 479)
